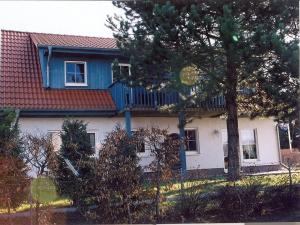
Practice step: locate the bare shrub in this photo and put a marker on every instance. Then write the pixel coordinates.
(164, 149)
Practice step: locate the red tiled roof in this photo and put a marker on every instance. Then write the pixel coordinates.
(21, 81)
(73, 41)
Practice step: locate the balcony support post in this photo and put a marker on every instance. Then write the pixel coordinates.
(128, 122)
(182, 155)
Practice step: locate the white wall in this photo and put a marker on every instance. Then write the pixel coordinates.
(210, 153)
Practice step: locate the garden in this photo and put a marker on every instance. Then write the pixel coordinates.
(74, 187)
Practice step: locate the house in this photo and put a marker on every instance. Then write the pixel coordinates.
(48, 77)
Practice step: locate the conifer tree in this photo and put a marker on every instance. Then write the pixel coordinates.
(76, 148)
(244, 50)
(13, 170)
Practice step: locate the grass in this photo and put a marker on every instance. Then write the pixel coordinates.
(208, 185)
(173, 190)
(58, 203)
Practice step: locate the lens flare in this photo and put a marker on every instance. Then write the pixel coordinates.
(235, 38)
(43, 190)
(189, 75)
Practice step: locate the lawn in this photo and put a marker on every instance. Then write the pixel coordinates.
(212, 184)
(203, 185)
(58, 203)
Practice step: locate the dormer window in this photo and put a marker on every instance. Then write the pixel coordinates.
(124, 71)
(75, 73)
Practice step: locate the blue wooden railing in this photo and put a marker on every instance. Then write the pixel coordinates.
(139, 97)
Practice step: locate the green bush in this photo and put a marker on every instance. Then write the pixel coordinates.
(281, 196)
(192, 204)
(115, 192)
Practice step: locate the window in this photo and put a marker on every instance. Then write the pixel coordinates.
(124, 71)
(75, 74)
(248, 141)
(56, 140)
(140, 145)
(191, 139)
(92, 137)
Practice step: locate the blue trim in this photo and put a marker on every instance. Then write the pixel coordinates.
(83, 50)
(62, 113)
(48, 66)
(182, 152)
(43, 64)
(128, 122)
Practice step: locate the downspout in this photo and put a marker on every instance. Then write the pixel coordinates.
(182, 153)
(48, 66)
(278, 146)
(15, 123)
(128, 110)
(289, 137)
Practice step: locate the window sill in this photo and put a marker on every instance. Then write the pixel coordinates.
(75, 85)
(143, 155)
(192, 153)
(250, 160)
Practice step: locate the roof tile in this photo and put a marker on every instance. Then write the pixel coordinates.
(21, 79)
(73, 41)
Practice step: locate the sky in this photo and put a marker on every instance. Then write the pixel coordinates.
(60, 17)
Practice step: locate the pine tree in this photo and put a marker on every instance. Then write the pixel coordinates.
(75, 148)
(245, 50)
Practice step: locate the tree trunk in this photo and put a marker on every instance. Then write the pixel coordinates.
(157, 199)
(232, 120)
(9, 212)
(37, 212)
(127, 205)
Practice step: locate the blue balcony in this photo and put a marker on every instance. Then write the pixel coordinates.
(138, 98)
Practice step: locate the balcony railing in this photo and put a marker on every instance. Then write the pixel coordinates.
(140, 98)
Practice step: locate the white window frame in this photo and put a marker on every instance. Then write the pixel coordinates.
(197, 141)
(120, 64)
(95, 133)
(85, 74)
(97, 142)
(50, 132)
(240, 145)
(146, 152)
(256, 145)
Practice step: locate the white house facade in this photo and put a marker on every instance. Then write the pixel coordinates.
(48, 77)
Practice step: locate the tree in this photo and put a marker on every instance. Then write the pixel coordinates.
(13, 170)
(77, 150)
(116, 187)
(39, 154)
(241, 49)
(164, 149)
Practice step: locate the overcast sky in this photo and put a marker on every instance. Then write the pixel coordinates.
(61, 17)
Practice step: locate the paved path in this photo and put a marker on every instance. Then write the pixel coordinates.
(27, 213)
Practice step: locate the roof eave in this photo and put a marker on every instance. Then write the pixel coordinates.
(71, 49)
(64, 113)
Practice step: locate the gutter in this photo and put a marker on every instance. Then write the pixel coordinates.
(83, 50)
(80, 48)
(48, 66)
(64, 113)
